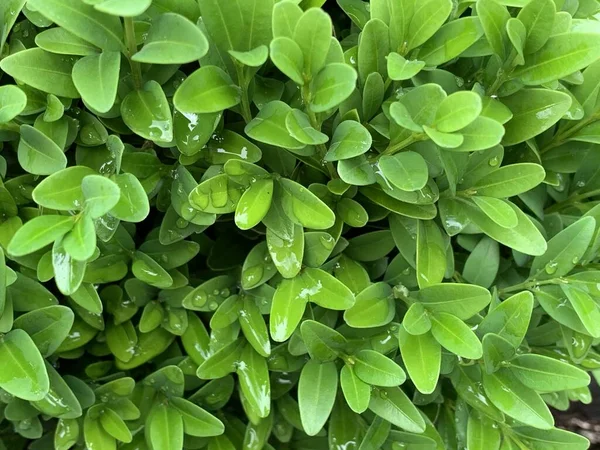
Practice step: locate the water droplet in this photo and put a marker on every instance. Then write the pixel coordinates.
(406, 271)
(216, 292)
(575, 259)
(199, 299)
(327, 241)
(253, 274)
(213, 305)
(225, 293)
(493, 162)
(551, 267)
(181, 223)
(580, 184)
(383, 394)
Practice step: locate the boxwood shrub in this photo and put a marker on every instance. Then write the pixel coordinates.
(262, 224)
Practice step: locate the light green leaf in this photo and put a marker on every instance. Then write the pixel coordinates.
(24, 375)
(561, 55)
(39, 232)
(350, 139)
(85, 22)
(534, 111)
(96, 77)
(316, 394)
(377, 369)
(422, 356)
(510, 396)
(207, 90)
(172, 39)
(287, 57)
(100, 194)
(400, 68)
(312, 33)
(393, 405)
(457, 111)
(456, 336)
(510, 319)
(332, 85)
(12, 102)
(269, 126)
(356, 392)
(406, 170)
(147, 113)
(427, 18)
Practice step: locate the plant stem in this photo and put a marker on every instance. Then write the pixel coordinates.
(245, 105)
(136, 70)
(571, 200)
(564, 135)
(528, 284)
(393, 149)
(312, 117)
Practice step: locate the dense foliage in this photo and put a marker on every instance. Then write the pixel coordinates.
(261, 224)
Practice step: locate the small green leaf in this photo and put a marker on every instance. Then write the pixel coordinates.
(38, 154)
(12, 102)
(39, 232)
(207, 90)
(400, 68)
(96, 78)
(25, 374)
(456, 336)
(316, 394)
(146, 112)
(332, 85)
(378, 370)
(172, 39)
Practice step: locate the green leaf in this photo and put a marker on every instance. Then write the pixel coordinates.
(115, 426)
(498, 210)
(350, 139)
(254, 327)
(483, 263)
(207, 90)
(288, 57)
(100, 194)
(47, 327)
(253, 374)
(285, 18)
(496, 352)
(525, 237)
(42, 70)
(325, 290)
(422, 356)
(80, 242)
(165, 427)
(197, 421)
(96, 78)
(356, 392)
(289, 303)
(300, 128)
(457, 111)
(564, 250)
(252, 58)
(483, 133)
(254, 204)
(510, 396)
(25, 375)
(58, 40)
(269, 126)
(416, 321)
(407, 170)
(494, 17)
(332, 85)
(146, 112)
(374, 307)
(510, 319)
(322, 342)
(462, 300)
(373, 47)
(133, 203)
(378, 370)
(561, 55)
(12, 102)
(305, 207)
(149, 271)
(38, 233)
(94, 434)
(538, 18)
(172, 39)
(312, 34)
(482, 433)
(431, 254)
(451, 40)
(585, 307)
(534, 111)
(38, 154)
(317, 388)
(117, 8)
(456, 336)
(547, 374)
(68, 272)
(400, 68)
(554, 439)
(393, 405)
(83, 21)
(427, 18)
